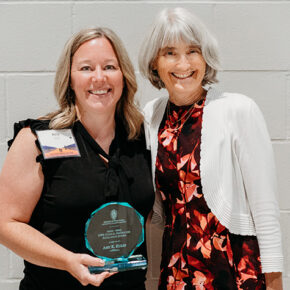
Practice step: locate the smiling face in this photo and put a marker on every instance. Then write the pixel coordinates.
(96, 77)
(181, 67)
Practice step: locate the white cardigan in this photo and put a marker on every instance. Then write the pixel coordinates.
(236, 167)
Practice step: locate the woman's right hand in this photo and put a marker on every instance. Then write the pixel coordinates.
(18, 199)
(78, 268)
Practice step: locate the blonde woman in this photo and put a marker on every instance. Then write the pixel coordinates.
(213, 167)
(43, 213)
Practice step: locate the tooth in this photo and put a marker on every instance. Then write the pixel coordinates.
(99, 92)
(182, 75)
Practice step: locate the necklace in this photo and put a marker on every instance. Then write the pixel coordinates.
(185, 117)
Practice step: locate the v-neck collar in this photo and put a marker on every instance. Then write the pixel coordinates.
(118, 175)
(114, 146)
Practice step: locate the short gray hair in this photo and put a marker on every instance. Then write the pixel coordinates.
(173, 25)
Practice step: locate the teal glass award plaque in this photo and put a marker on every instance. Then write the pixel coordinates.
(113, 232)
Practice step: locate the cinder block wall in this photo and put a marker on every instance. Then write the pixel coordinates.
(255, 48)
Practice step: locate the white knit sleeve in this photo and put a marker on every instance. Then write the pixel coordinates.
(158, 217)
(146, 112)
(254, 149)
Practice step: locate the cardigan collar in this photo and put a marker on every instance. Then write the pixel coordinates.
(160, 106)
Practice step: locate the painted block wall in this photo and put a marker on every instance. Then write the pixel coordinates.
(255, 48)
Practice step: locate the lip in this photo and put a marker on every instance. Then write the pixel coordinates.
(183, 76)
(100, 91)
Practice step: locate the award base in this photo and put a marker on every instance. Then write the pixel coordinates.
(134, 262)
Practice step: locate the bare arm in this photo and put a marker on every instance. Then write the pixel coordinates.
(274, 281)
(21, 183)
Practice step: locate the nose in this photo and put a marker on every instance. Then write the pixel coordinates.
(98, 75)
(183, 62)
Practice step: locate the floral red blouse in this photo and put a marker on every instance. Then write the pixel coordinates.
(198, 252)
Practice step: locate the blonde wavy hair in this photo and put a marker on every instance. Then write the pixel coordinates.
(126, 109)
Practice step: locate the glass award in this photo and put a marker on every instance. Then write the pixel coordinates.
(113, 232)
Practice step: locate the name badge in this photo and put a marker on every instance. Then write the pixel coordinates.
(58, 143)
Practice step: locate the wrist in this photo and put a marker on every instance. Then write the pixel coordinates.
(274, 281)
(68, 261)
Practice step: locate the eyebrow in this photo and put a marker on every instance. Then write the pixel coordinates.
(194, 46)
(85, 60)
(168, 47)
(173, 47)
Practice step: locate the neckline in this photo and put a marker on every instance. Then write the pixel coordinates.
(182, 108)
(94, 144)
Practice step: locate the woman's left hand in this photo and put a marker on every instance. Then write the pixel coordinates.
(274, 281)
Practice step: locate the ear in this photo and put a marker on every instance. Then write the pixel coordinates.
(154, 64)
(154, 67)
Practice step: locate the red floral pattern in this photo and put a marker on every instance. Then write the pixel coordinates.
(198, 252)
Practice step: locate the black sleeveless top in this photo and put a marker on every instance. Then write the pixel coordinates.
(74, 187)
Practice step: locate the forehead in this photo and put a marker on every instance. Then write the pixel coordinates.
(176, 40)
(179, 45)
(172, 34)
(96, 47)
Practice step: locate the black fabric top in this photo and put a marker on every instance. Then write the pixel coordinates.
(74, 187)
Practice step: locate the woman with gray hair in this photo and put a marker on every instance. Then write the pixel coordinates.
(53, 180)
(213, 167)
